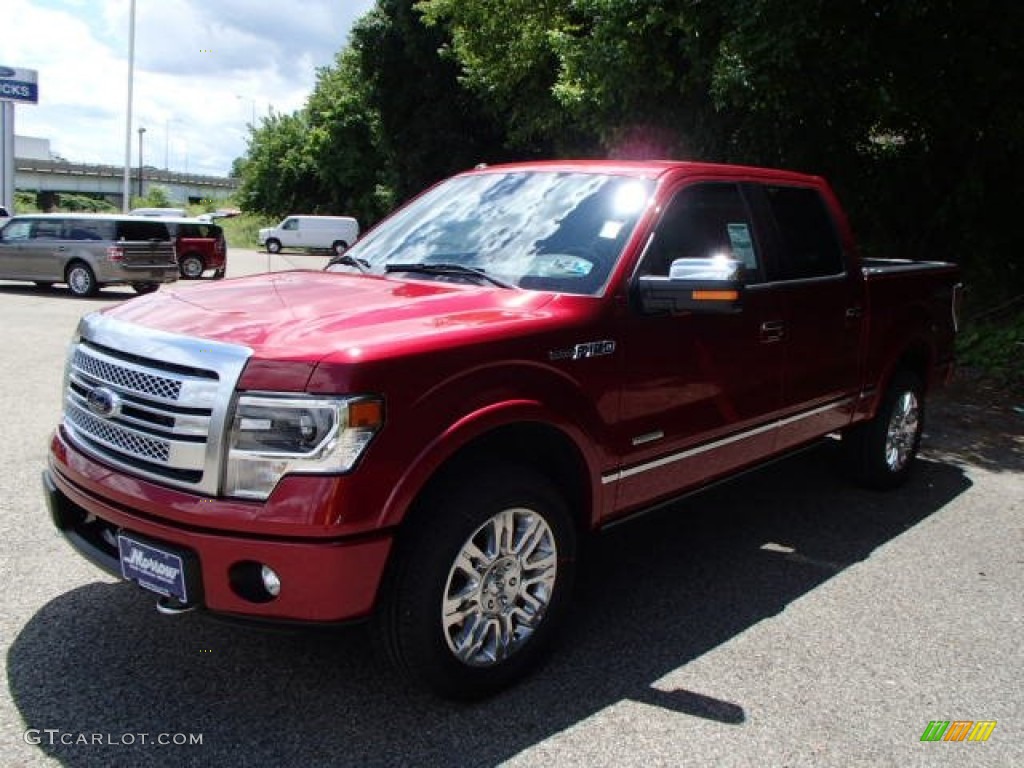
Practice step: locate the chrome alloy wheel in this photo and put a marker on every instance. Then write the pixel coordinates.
(80, 280)
(499, 587)
(902, 432)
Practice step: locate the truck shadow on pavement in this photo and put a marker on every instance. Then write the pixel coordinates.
(653, 596)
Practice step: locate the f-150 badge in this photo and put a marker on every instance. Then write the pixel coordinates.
(581, 351)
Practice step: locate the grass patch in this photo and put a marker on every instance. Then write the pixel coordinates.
(995, 348)
(242, 231)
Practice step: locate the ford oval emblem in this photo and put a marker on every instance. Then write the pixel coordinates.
(7, 72)
(104, 402)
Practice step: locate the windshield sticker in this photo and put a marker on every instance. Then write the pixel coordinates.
(611, 229)
(561, 265)
(742, 244)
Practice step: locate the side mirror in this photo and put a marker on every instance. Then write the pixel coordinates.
(706, 286)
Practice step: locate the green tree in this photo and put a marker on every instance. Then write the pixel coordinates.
(344, 142)
(909, 109)
(430, 126)
(280, 171)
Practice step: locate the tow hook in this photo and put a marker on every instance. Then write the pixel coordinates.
(168, 606)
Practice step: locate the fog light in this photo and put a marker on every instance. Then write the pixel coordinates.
(271, 581)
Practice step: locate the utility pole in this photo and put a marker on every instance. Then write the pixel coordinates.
(141, 131)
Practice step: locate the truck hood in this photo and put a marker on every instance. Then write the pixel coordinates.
(307, 316)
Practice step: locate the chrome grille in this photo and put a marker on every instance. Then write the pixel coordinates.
(159, 418)
(128, 378)
(118, 438)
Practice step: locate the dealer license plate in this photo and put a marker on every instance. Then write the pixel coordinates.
(152, 568)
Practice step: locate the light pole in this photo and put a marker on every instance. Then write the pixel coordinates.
(127, 189)
(141, 131)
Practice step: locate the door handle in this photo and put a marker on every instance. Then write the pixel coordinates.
(772, 330)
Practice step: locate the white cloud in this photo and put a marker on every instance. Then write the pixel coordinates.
(202, 69)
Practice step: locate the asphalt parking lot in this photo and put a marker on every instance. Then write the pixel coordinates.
(785, 619)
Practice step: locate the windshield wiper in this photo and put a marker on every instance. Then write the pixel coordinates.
(349, 261)
(443, 268)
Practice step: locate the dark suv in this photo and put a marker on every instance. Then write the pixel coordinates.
(200, 246)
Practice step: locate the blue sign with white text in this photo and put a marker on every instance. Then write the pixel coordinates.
(19, 85)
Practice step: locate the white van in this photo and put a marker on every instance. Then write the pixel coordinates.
(334, 233)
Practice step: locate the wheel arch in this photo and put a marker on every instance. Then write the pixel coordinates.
(916, 358)
(72, 262)
(526, 441)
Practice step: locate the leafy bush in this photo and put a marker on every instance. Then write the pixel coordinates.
(69, 202)
(242, 231)
(156, 197)
(995, 348)
(25, 202)
(85, 204)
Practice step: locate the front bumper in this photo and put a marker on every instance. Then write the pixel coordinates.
(322, 579)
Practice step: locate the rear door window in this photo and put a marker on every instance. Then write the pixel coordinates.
(808, 243)
(76, 229)
(47, 229)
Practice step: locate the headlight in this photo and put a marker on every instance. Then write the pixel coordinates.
(272, 436)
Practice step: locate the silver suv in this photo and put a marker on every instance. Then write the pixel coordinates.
(88, 251)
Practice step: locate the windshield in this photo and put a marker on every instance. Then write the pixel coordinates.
(542, 230)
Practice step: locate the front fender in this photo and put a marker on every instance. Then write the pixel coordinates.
(471, 427)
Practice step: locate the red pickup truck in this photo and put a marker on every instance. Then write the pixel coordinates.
(421, 433)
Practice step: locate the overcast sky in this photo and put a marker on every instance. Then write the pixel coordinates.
(202, 69)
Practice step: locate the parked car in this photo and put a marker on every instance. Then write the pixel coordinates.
(158, 212)
(87, 251)
(523, 355)
(334, 233)
(200, 246)
(4, 214)
(220, 213)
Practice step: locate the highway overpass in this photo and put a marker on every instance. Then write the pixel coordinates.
(49, 178)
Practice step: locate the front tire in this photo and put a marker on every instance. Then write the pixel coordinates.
(880, 454)
(81, 280)
(273, 246)
(480, 581)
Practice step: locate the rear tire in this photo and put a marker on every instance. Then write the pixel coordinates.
(880, 453)
(338, 247)
(479, 582)
(81, 280)
(191, 267)
(219, 274)
(273, 246)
